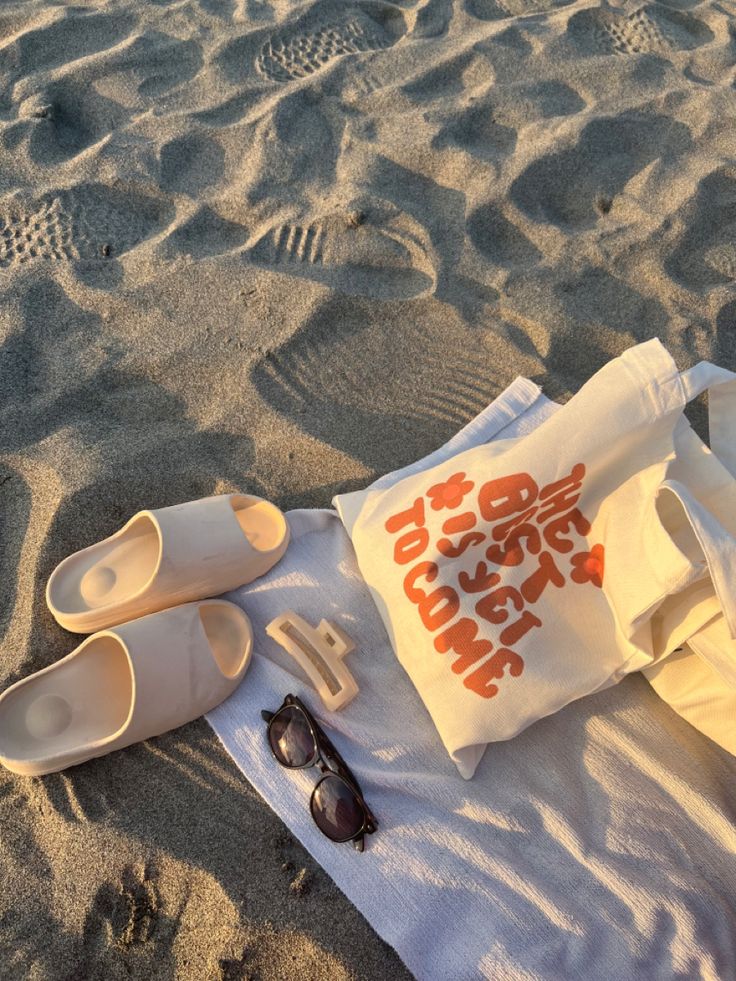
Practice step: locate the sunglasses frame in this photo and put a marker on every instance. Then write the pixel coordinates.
(330, 763)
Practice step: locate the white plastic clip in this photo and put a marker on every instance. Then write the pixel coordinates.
(319, 652)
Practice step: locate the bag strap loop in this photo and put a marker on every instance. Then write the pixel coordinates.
(721, 387)
(715, 541)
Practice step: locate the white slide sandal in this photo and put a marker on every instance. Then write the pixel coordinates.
(166, 557)
(125, 685)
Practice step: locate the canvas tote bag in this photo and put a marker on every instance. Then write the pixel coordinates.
(518, 576)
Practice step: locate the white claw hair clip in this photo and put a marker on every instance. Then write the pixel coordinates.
(319, 652)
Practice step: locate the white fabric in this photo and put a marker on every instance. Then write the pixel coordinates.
(516, 577)
(599, 843)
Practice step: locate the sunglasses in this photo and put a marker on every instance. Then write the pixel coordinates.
(337, 803)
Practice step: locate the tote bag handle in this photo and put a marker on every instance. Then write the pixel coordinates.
(718, 545)
(721, 387)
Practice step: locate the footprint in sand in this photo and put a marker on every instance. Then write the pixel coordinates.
(649, 29)
(87, 222)
(637, 33)
(124, 917)
(288, 243)
(297, 53)
(361, 253)
(44, 233)
(135, 912)
(362, 86)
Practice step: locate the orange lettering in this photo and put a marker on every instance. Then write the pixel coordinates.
(515, 631)
(480, 582)
(414, 514)
(438, 607)
(533, 587)
(479, 680)
(506, 495)
(460, 638)
(562, 494)
(554, 531)
(490, 607)
(446, 547)
(502, 529)
(410, 546)
(511, 553)
(427, 569)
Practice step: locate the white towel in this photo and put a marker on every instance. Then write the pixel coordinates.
(599, 843)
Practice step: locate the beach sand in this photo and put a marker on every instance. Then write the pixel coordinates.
(282, 248)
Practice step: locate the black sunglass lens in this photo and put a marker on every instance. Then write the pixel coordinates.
(291, 738)
(336, 810)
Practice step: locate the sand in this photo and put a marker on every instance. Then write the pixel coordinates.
(283, 248)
